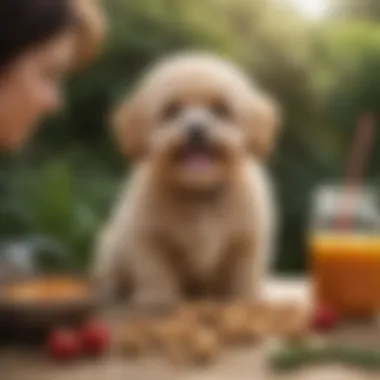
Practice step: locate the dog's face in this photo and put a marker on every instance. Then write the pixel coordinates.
(196, 117)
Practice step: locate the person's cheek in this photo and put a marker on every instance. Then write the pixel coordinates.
(29, 107)
(39, 99)
(55, 99)
(16, 112)
(25, 122)
(50, 97)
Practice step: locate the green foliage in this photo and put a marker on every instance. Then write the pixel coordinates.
(356, 9)
(351, 58)
(60, 202)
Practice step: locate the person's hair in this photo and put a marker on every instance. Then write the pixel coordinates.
(27, 23)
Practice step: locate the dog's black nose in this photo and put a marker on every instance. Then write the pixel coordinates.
(196, 135)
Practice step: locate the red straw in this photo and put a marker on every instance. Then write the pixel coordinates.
(357, 163)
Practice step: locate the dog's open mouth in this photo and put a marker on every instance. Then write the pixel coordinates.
(197, 159)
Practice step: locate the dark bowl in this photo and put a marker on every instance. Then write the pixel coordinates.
(42, 315)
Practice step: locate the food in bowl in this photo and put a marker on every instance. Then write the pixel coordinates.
(50, 289)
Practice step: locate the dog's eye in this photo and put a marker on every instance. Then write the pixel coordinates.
(171, 111)
(221, 110)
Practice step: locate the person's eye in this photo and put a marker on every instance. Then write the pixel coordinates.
(221, 109)
(171, 111)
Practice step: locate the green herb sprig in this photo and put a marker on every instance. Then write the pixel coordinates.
(291, 358)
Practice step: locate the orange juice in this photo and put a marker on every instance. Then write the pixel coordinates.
(346, 271)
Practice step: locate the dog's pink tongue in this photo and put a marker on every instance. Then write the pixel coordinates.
(198, 161)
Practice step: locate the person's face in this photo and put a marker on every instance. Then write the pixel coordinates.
(30, 88)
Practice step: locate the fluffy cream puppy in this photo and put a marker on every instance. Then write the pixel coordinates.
(197, 215)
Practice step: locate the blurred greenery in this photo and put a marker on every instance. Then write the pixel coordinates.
(324, 74)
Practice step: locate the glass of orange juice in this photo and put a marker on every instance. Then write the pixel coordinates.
(345, 258)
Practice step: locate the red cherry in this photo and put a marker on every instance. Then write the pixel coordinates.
(63, 344)
(325, 319)
(95, 338)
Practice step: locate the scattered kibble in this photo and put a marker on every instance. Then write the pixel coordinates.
(295, 326)
(257, 329)
(134, 342)
(209, 313)
(233, 324)
(169, 331)
(195, 333)
(203, 345)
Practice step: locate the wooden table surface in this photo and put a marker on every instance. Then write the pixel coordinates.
(243, 364)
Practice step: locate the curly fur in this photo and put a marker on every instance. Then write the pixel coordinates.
(180, 230)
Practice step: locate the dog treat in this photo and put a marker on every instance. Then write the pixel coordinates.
(286, 310)
(233, 324)
(261, 308)
(134, 342)
(257, 329)
(205, 312)
(286, 316)
(176, 353)
(203, 345)
(169, 331)
(209, 312)
(262, 318)
(135, 339)
(196, 332)
(296, 330)
(188, 313)
(172, 335)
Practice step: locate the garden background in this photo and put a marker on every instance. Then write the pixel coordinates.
(324, 69)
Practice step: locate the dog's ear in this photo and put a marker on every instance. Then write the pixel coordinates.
(264, 126)
(130, 128)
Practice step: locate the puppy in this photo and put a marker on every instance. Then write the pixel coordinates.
(197, 215)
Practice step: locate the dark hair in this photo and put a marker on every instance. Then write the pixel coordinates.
(27, 23)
